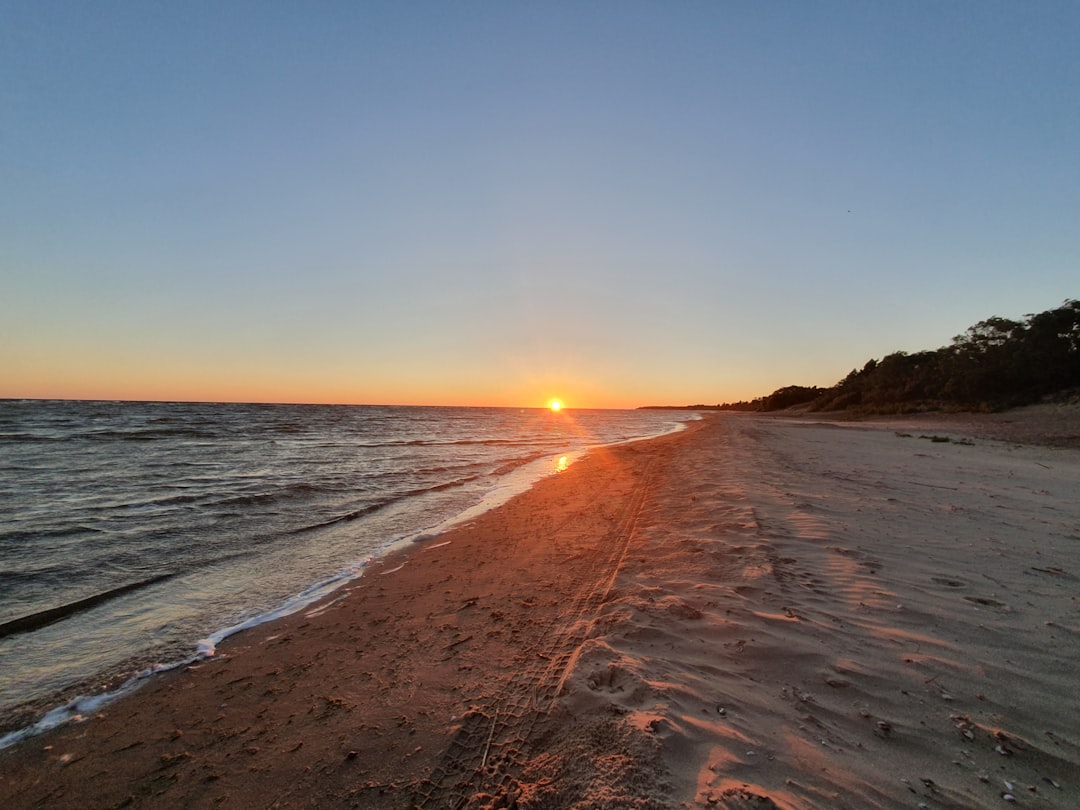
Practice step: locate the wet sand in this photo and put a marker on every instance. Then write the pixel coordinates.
(753, 613)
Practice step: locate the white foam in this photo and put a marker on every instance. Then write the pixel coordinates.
(208, 646)
(80, 707)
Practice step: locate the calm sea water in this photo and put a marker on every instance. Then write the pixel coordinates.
(217, 515)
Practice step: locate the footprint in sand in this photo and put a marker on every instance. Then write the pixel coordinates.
(743, 799)
(611, 679)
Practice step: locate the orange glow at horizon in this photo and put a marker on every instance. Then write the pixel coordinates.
(132, 373)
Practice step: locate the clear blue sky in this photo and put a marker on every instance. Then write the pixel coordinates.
(617, 203)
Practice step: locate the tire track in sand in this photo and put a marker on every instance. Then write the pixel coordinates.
(495, 738)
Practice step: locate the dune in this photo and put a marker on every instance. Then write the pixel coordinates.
(752, 613)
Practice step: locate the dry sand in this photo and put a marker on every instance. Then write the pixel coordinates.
(1054, 424)
(750, 614)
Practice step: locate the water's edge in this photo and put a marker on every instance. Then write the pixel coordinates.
(521, 480)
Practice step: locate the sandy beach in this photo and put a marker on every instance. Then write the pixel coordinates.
(752, 613)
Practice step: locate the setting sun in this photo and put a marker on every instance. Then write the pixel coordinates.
(555, 405)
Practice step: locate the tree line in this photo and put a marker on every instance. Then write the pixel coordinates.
(997, 363)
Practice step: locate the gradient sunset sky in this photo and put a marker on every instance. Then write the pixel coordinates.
(495, 203)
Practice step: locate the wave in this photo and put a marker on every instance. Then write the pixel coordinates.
(364, 511)
(51, 576)
(30, 437)
(176, 500)
(24, 535)
(513, 464)
(291, 429)
(138, 434)
(452, 467)
(43, 618)
(146, 434)
(210, 498)
(527, 442)
(348, 516)
(440, 487)
(281, 494)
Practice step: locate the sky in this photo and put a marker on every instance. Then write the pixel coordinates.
(497, 203)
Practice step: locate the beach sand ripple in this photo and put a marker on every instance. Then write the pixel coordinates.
(823, 616)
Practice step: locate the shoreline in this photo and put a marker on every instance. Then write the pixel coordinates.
(390, 584)
(749, 612)
(43, 714)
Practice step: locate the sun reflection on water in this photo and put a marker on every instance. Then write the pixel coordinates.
(561, 464)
